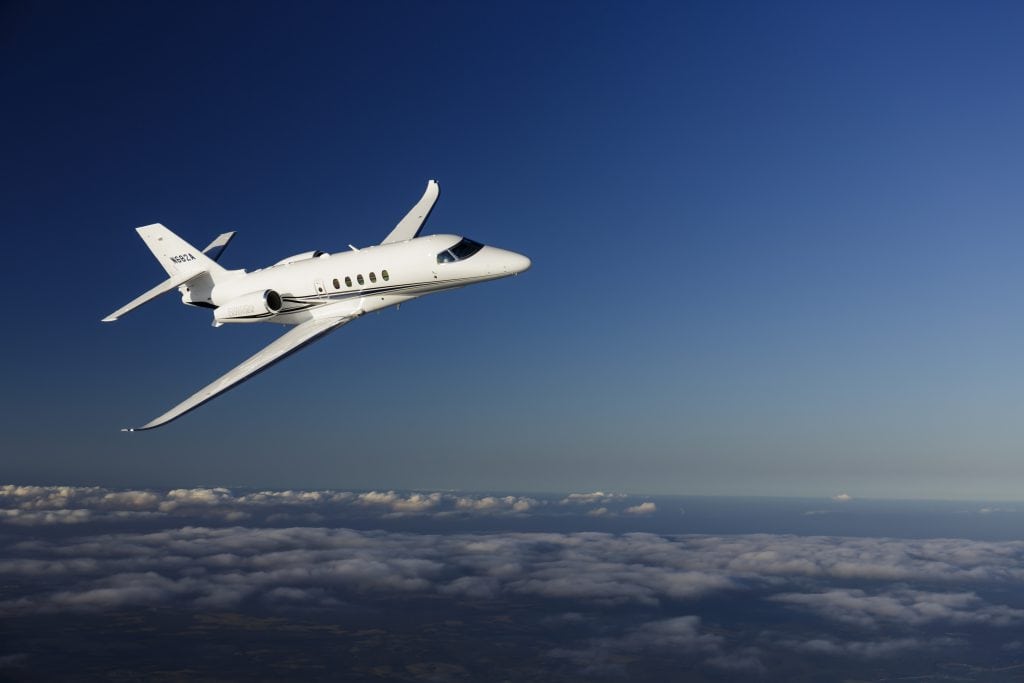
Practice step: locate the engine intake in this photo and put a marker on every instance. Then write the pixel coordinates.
(250, 308)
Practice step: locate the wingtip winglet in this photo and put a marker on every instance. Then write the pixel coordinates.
(410, 226)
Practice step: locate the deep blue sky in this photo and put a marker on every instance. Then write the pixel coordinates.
(777, 247)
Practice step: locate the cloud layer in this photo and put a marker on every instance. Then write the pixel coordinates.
(885, 590)
(41, 505)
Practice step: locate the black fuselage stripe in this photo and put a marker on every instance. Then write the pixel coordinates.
(307, 302)
(355, 293)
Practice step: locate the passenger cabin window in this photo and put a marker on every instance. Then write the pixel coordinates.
(384, 274)
(373, 277)
(359, 278)
(461, 251)
(348, 281)
(337, 285)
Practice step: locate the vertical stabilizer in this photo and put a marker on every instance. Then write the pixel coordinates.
(177, 256)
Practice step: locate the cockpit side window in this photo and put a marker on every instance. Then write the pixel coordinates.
(461, 251)
(465, 249)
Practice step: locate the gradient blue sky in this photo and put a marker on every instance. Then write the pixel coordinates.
(777, 246)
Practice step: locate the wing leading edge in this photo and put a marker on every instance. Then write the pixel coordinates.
(279, 349)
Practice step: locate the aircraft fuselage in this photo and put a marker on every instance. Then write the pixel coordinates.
(366, 280)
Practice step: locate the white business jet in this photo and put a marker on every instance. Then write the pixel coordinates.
(316, 292)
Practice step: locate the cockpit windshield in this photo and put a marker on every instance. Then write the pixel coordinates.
(461, 251)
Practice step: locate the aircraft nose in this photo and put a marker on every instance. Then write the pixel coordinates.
(519, 263)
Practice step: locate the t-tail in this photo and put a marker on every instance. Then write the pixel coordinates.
(185, 265)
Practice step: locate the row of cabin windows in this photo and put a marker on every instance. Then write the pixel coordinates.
(360, 280)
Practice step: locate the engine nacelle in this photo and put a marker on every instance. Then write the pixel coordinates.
(249, 308)
(304, 256)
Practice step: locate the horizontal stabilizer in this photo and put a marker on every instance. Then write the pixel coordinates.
(217, 247)
(167, 285)
(413, 222)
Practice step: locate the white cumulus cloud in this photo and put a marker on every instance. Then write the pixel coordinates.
(641, 509)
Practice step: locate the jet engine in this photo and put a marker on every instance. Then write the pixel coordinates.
(249, 308)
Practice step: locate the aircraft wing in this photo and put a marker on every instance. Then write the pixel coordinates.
(411, 225)
(285, 345)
